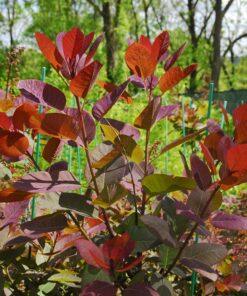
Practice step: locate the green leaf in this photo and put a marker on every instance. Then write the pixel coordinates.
(76, 202)
(167, 254)
(9, 255)
(46, 288)
(91, 274)
(109, 195)
(67, 277)
(162, 184)
(144, 239)
(159, 228)
(40, 257)
(128, 146)
(163, 286)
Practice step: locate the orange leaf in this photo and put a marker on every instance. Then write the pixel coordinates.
(22, 116)
(52, 149)
(84, 80)
(173, 76)
(49, 50)
(208, 157)
(13, 144)
(140, 60)
(60, 126)
(13, 195)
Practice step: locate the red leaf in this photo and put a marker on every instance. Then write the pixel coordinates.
(119, 247)
(59, 125)
(240, 122)
(140, 60)
(13, 144)
(160, 45)
(208, 157)
(52, 149)
(145, 41)
(49, 50)
(25, 116)
(173, 76)
(91, 253)
(173, 58)
(130, 265)
(5, 121)
(84, 80)
(72, 43)
(237, 158)
(94, 48)
(109, 87)
(212, 141)
(239, 114)
(240, 133)
(13, 195)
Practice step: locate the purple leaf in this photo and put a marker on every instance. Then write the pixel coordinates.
(64, 242)
(201, 268)
(42, 93)
(140, 288)
(160, 228)
(58, 166)
(88, 123)
(198, 198)
(137, 81)
(135, 177)
(42, 182)
(185, 210)
(209, 254)
(22, 239)
(12, 212)
(152, 81)
(43, 224)
(122, 127)
(166, 111)
(94, 46)
(149, 114)
(173, 58)
(99, 288)
(227, 221)
(105, 104)
(213, 126)
(200, 172)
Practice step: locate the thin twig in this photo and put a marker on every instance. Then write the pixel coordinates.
(185, 243)
(83, 232)
(84, 138)
(33, 161)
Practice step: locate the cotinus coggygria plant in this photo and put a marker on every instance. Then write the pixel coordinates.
(124, 232)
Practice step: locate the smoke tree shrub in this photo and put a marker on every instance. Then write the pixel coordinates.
(125, 232)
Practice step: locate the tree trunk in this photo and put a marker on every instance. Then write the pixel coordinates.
(216, 61)
(145, 8)
(194, 43)
(109, 36)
